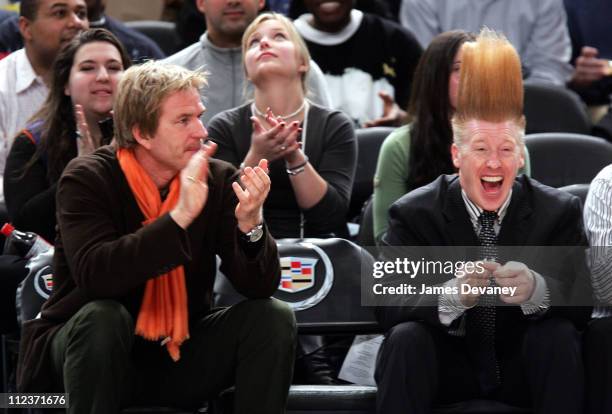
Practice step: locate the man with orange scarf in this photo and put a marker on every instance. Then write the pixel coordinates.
(140, 223)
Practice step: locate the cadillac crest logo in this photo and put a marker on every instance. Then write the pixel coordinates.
(307, 275)
(43, 282)
(297, 273)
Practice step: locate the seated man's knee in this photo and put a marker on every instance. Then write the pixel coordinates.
(410, 336)
(599, 332)
(552, 333)
(275, 317)
(407, 343)
(104, 322)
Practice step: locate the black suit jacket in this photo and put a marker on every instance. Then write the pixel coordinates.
(538, 215)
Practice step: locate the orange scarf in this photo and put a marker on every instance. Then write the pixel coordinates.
(163, 312)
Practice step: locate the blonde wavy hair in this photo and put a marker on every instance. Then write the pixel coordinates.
(140, 94)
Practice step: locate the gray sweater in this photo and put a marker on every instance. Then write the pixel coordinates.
(225, 88)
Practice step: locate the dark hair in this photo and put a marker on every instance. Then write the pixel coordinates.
(57, 113)
(429, 110)
(29, 9)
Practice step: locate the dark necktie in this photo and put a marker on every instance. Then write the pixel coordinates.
(481, 318)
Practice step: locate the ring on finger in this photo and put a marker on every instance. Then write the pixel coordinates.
(192, 179)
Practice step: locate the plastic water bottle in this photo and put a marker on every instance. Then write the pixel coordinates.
(23, 243)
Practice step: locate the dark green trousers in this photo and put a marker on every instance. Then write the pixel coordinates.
(103, 366)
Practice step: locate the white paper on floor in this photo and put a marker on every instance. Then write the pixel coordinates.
(360, 362)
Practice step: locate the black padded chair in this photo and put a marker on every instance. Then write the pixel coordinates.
(162, 33)
(369, 141)
(560, 159)
(330, 306)
(332, 301)
(366, 225)
(579, 190)
(550, 108)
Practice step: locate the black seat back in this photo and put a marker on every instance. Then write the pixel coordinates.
(579, 190)
(366, 225)
(321, 282)
(369, 141)
(162, 33)
(550, 108)
(560, 159)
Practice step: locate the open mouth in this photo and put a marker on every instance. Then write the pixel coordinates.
(491, 184)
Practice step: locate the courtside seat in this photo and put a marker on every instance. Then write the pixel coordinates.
(365, 237)
(330, 302)
(162, 33)
(551, 108)
(579, 190)
(338, 312)
(479, 407)
(159, 410)
(560, 159)
(358, 399)
(369, 141)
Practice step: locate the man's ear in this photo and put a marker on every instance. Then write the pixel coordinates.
(456, 154)
(25, 28)
(201, 6)
(260, 4)
(141, 138)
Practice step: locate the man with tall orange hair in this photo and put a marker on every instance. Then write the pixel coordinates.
(457, 342)
(140, 224)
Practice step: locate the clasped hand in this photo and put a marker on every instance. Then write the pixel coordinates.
(512, 274)
(279, 141)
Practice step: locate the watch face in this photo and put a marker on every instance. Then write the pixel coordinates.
(255, 234)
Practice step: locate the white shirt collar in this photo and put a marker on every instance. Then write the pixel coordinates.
(475, 211)
(27, 76)
(324, 38)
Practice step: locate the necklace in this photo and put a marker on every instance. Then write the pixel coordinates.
(283, 117)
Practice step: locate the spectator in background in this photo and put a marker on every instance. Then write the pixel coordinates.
(378, 7)
(85, 74)
(139, 46)
(45, 25)
(87, 69)
(311, 149)
(190, 23)
(537, 29)
(416, 154)
(5, 14)
(598, 336)
(368, 61)
(218, 53)
(590, 29)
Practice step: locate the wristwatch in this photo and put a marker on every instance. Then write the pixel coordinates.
(254, 234)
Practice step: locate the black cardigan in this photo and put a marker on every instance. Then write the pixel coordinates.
(332, 151)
